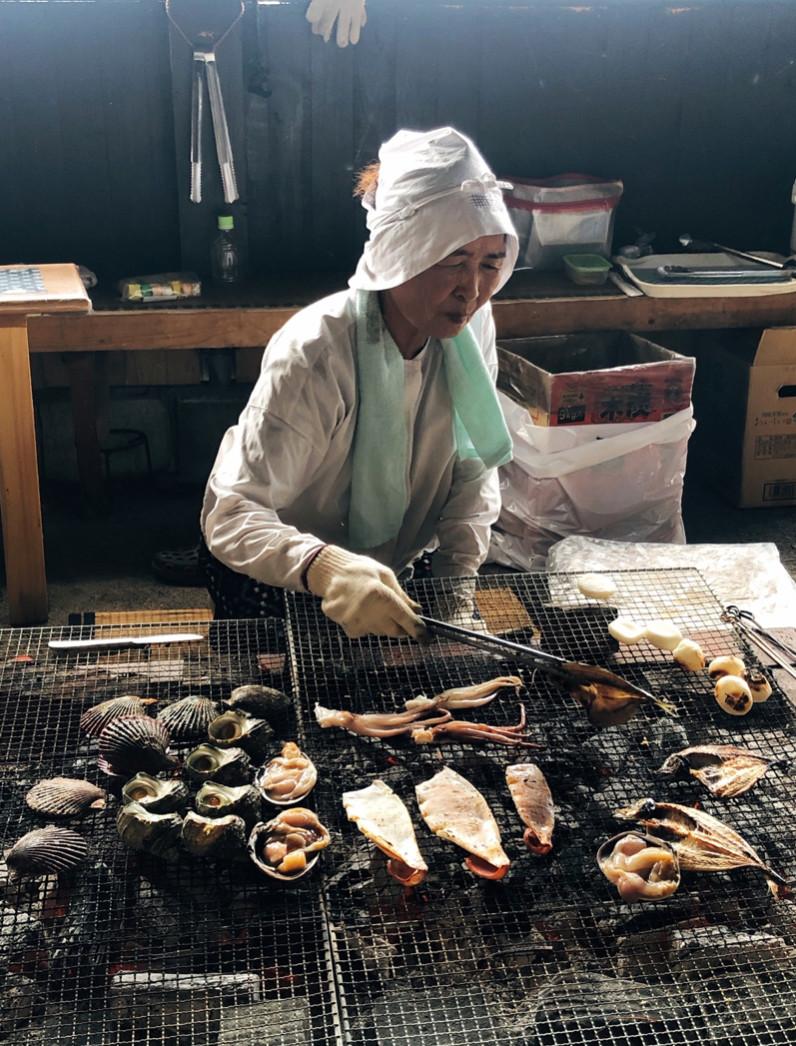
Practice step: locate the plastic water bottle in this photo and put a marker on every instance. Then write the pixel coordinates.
(225, 257)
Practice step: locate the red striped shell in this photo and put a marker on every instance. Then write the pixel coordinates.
(94, 720)
(65, 797)
(46, 851)
(135, 743)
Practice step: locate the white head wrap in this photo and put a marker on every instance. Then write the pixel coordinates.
(435, 193)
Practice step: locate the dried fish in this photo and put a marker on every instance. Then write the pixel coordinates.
(189, 718)
(213, 836)
(157, 834)
(288, 778)
(474, 696)
(702, 842)
(455, 810)
(237, 729)
(287, 847)
(641, 867)
(135, 743)
(46, 851)
(94, 720)
(534, 801)
(259, 700)
(725, 770)
(159, 797)
(225, 765)
(65, 797)
(382, 817)
(218, 800)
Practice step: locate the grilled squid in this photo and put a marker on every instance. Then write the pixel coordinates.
(534, 801)
(462, 730)
(377, 724)
(474, 696)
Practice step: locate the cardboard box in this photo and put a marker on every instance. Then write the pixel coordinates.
(594, 379)
(745, 403)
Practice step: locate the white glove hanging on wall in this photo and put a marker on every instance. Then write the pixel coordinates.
(349, 14)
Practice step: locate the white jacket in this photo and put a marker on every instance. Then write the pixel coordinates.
(281, 481)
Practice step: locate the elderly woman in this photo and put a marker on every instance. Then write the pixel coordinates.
(374, 432)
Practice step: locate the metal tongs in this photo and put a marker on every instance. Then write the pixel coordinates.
(205, 68)
(571, 673)
(781, 654)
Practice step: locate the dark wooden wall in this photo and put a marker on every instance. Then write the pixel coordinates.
(692, 104)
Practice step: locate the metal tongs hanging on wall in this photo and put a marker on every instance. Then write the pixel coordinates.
(608, 697)
(205, 69)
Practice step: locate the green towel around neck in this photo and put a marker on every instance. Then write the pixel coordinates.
(379, 496)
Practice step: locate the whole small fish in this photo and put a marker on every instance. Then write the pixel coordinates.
(534, 801)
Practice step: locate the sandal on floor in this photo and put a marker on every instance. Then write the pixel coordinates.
(178, 566)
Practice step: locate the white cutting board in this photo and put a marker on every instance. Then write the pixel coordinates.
(642, 272)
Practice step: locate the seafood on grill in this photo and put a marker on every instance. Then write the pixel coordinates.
(641, 867)
(733, 695)
(689, 654)
(224, 765)
(65, 797)
(382, 817)
(94, 720)
(626, 631)
(157, 834)
(47, 851)
(154, 794)
(608, 705)
(379, 724)
(135, 743)
(462, 730)
(287, 847)
(474, 696)
(456, 811)
(596, 586)
(218, 800)
(189, 718)
(257, 700)
(288, 778)
(702, 842)
(534, 801)
(727, 665)
(759, 687)
(665, 635)
(213, 837)
(726, 771)
(237, 729)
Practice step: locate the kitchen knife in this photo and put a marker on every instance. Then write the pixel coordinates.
(123, 642)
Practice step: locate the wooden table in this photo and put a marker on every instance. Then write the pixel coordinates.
(531, 304)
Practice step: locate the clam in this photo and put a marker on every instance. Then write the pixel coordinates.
(157, 834)
(135, 743)
(189, 718)
(287, 847)
(288, 778)
(237, 729)
(213, 836)
(159, 797)
(641, 867)
(218, 800)
(94, 720)
(259, 700)
(46, 851)
(65, 797)
(225, 765)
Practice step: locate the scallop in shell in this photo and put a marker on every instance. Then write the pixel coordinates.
(157, 834)
(94, 720)
(135, 743)
(218, 800)
(236, 729)
(213, 836)
(226, 765)
(189, 718)
(46, 851)
(259, 700)
(288, 778)
(641, 867)
(65, 797)
(159, 797)
(287, 847)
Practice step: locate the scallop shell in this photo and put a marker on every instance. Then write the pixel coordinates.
(45, 851)
(213, 836)
(288, 778)
(157, 834)
(218, 800)
(135, 743)
(259, 700)
(189, 718)
(94, 720)
(156, 796)
(226, 765)
(235, 729)
(285, 832)
(65, 797)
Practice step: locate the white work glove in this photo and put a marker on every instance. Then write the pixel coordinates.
(350, 15)
(361, 595)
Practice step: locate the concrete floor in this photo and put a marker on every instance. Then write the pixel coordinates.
(102, 562)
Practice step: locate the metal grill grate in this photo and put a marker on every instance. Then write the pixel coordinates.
(550, 955)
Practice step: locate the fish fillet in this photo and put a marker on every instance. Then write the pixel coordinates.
(382, 817)
(455, 810)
